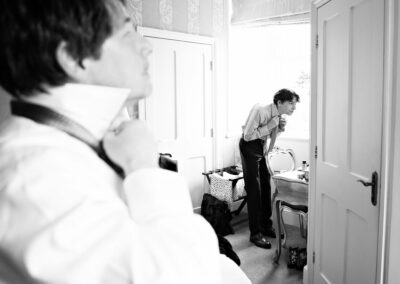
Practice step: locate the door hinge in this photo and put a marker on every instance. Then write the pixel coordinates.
(316, 152)
(211, 65)
(313, 257)
(316, 41)
(212, 132)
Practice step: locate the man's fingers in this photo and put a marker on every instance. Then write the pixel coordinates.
(132, 145)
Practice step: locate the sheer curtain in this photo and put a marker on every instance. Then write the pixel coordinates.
(269, 49)
(275, 11)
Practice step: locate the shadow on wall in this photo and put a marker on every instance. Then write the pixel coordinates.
(4, 105)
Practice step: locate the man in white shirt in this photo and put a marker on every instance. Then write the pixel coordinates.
(263, 123)
(65, 215)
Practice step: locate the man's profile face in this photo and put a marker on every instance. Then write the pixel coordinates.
(124, 59)
(287, 107)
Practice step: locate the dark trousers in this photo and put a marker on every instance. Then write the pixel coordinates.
(257, 185)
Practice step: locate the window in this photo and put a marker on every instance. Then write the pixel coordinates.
(264, 59)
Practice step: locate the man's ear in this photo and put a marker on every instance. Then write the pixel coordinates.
(70, 65)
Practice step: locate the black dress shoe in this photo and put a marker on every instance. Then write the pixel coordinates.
(270, 232)
(260, 241)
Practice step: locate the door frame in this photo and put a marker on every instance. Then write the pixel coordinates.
(178, 36)
(388, 116)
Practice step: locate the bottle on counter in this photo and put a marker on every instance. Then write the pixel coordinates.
(304, 165)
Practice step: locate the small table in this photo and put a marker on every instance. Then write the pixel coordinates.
(291, 194)
(290, 187)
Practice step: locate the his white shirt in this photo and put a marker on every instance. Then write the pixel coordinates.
(66, 217)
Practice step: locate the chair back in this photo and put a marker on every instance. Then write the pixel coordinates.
(280, 160)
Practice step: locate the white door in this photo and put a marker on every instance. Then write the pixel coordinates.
(349, 130)
(180, 107)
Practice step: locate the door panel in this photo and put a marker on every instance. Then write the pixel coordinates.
(365, 96)
(328, 266)
(349, 127)
(161, 106)
(334, 91)
(180, 110)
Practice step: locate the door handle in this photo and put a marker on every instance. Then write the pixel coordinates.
(374, 187)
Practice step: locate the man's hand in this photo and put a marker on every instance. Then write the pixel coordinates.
(282, 123)
(132, 146)
(273, 123)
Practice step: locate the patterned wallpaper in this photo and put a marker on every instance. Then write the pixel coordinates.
(165, 10)
(202, 17)
(193, 16)
(135, 10)
(218, 16)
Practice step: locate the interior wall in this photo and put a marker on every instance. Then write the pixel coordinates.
(202, 17)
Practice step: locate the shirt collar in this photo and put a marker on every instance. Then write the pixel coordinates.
(274, 110)
(93, 107)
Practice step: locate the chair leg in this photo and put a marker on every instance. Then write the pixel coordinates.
(278, 242)
(283, 226)
(301, 221)
(304, 223)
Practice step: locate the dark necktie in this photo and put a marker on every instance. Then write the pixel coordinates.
(273, 136)
(47, 116)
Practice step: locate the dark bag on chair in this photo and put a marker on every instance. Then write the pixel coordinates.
(217, 213)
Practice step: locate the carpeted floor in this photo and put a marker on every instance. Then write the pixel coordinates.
(258, 263)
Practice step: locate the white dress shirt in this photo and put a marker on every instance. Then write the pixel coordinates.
(66, 217)
(256, 126)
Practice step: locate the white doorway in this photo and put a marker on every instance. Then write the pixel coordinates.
(180, 109)
(347, 136)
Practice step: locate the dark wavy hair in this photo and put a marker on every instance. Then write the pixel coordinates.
(32, 30)
(284, 95)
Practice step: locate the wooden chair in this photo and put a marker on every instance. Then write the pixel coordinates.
(291, 192)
